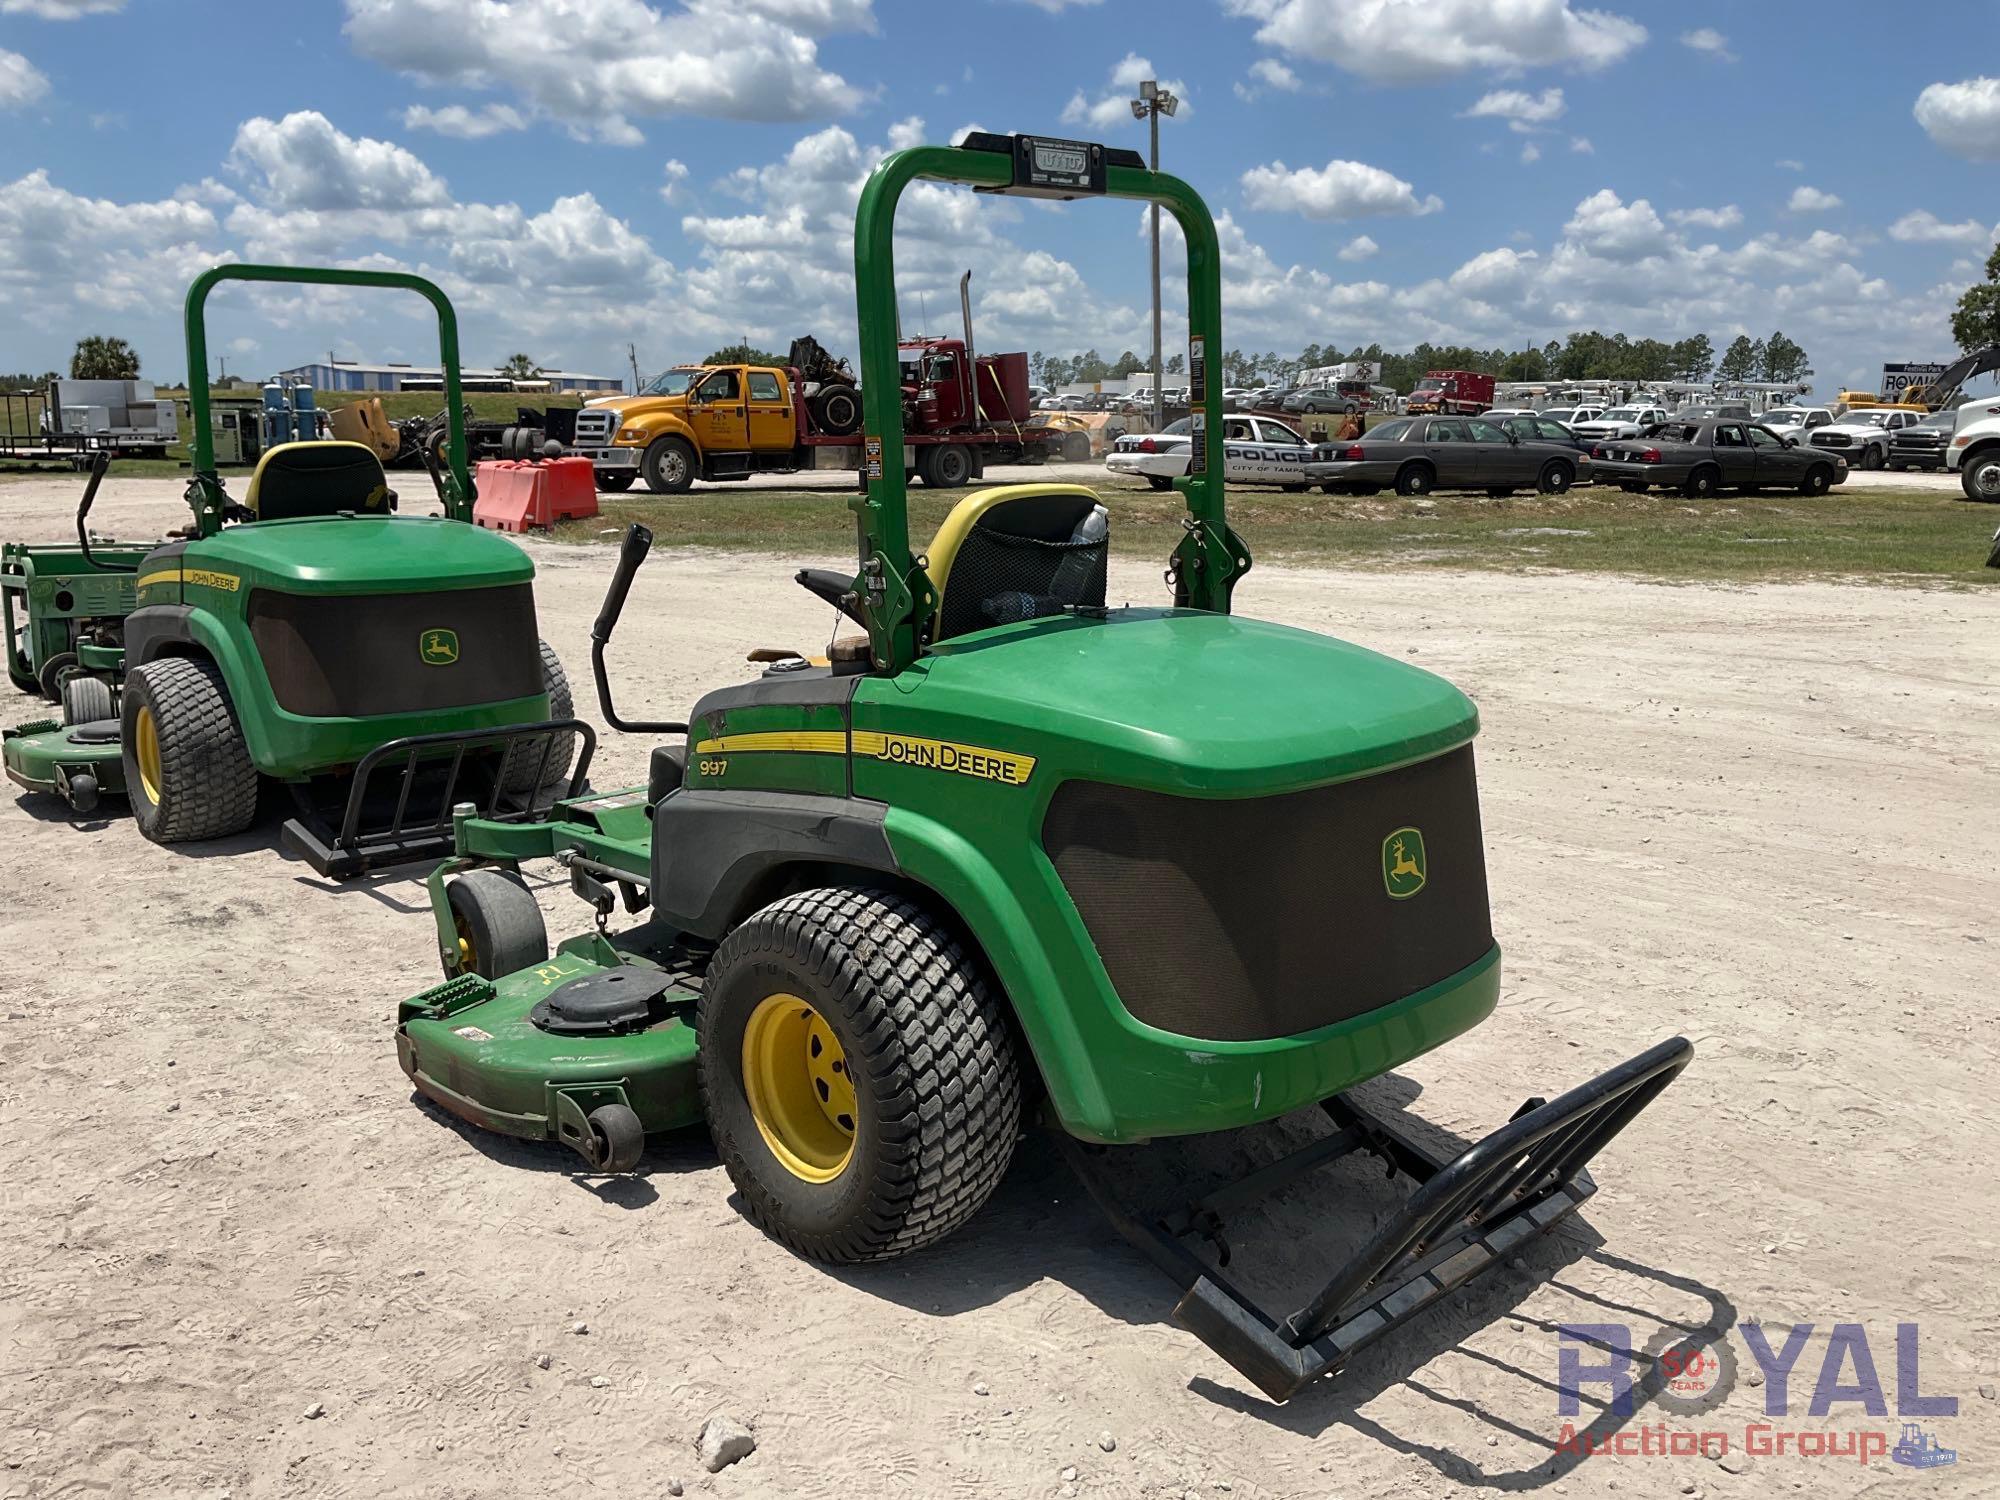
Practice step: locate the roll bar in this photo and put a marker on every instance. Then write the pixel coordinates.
(896, 595)
(205, 494)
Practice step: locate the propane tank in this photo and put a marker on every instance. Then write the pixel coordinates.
(305, 416)
(277, 416)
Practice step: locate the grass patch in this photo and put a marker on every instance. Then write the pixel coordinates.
(1853, 533)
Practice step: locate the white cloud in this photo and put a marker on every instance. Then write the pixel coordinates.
(1521, 110)
(1530, 152)
(1964, 118)
(1339, 190)
(677, 175)
(1269, 73)
(1811, 200)
(1726, 217)
(1358, 248)
(304, 162)
(1607, 226)
(1409, 41)
(1114, 107)
(1925, 227)
(732, 59)
(465, 124)
(1056, 7)
(63, 256)
(21, 82)
(1580, 144)
(1707, 39)
(59, 10)
(1789, 164)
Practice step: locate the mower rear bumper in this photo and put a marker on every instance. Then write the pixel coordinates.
(1465, 1215)
(430, 774)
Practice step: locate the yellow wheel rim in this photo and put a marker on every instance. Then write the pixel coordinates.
(796, 1081)
(146, 747)
(468, 951)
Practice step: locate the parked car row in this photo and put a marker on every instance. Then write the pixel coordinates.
(1502, 452)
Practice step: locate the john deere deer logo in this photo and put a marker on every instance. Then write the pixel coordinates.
(1404, 868)
(439, 648)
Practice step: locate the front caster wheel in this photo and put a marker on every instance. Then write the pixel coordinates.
(619, 1140)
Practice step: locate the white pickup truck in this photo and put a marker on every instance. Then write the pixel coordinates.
(1974, 450)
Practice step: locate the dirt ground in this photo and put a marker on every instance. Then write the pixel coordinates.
(1759, 817)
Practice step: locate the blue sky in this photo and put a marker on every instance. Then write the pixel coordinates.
(580, 173)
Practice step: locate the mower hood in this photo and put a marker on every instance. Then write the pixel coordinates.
(363, 554)
(1207, 702)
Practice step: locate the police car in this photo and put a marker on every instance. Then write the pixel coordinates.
(1256, 450)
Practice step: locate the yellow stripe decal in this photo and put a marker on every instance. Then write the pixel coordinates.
(796, 741)
(165, 575)
(1002, 766)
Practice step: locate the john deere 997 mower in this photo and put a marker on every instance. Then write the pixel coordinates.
(1140, 872)
(381, 667)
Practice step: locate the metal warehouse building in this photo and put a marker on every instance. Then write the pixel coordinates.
(353, 375)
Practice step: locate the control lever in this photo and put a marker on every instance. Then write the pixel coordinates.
(100, 461)
(632, 550)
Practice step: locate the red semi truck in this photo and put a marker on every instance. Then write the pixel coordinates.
(1458, 391)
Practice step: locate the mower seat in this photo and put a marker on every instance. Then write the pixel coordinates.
(317, 479)
(668, 769)
(1018, 552)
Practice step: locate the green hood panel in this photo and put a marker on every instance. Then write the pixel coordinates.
(362, 555)
(1182, 700)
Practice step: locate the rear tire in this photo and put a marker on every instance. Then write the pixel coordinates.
(1159, 481)
(945, 467)
(50, 675)
(857, 1005)
(615, 481)
(86, 700)
(1701, 484)
(1414, 479)
(524, 771)
(187, 770)
(668, 467)
(500, 927)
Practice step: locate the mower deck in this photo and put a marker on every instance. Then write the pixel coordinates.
(484, 1050)
(76, 762)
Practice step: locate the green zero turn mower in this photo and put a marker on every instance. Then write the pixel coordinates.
(383, 668)
(1145, 871)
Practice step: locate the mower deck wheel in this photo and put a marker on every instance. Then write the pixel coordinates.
(498, 923)
(187, 771)
(621, 1139)
(857, 1073)
(86, 700)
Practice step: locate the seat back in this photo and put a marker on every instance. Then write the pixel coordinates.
(316, 479)
(1018, 552)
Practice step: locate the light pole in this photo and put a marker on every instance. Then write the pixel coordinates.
(1154, 101)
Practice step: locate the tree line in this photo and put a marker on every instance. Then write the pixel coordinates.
(1582, 356)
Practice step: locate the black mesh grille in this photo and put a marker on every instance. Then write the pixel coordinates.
(361, 655)
(1248, 918)
(997, 578)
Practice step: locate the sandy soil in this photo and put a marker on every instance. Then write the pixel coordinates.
(1762, 817)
